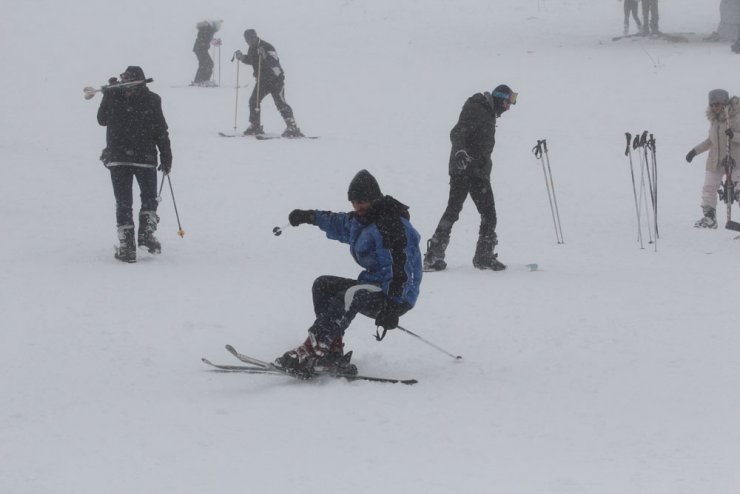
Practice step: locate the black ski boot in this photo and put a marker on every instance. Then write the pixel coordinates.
(336, 361)
(484, 257)
(147, 226)
(292, 130)
(254, 129)
(434, 259)
(126, 250)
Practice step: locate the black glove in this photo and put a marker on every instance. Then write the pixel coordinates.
(730, 134)
(238, 55)
(387, 318)
(462, 159)
(300, 216)
(112, 81)
(690, 156)
(165, 167)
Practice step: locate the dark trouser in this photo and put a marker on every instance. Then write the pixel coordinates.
(650, 11)
(336, 302)
(481, 193)
(630, 7)
(277, 90)
(123, 179)
(205, 66)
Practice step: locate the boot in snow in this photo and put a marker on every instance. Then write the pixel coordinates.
(147, 226)
(709, 219)
(302, 359)
(126, 250)
(336, 361)
(254, 129)
(292, 129)
(434, 259)
(484, 257)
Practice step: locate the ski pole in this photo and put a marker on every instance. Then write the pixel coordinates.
(456, 357)
(278, 230)
(540, 152)
(257, 87)
(90, 91)
(236, 100)
(180, 231)
(628, 153)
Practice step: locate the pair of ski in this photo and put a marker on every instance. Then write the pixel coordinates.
(265, 137)
(260, 367)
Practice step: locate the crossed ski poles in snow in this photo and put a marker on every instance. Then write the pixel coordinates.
(540, 152)
(649, 170)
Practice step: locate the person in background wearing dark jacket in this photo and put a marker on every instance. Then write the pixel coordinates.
(136, 129)
(473, 138)
(206, 31)
(382, 241)
(270, 79)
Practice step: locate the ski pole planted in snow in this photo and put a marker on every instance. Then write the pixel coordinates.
(729, 195)
(180, 231)
(628, 153)
(541, 153)
(456, 357)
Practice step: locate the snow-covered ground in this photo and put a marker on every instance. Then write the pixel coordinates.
(610, 370)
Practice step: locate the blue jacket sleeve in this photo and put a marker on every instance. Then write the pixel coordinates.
(335, 225)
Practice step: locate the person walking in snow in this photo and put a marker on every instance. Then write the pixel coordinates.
(724, 123)
(136, 129)
(382, 240)
(270, 79)
(206, 31)
(473, 138)
(650, 17)
(630, 7)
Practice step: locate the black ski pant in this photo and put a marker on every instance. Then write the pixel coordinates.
(482, 194)
(650, 16)
(630, 7)
(336, 302)
(277, 90)
(205, 66)
(123, 179)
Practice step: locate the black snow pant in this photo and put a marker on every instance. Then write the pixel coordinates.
(123, 179)
(650, 16)
(277, 90)
(630, 7)
(205, 66)
(336, 302)
(481, 193)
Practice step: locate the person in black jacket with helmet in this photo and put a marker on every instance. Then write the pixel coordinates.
(206, 31)
(270, 79)
(473, 138)
(136, 129)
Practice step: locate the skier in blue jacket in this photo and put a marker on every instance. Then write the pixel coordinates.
(386, 245)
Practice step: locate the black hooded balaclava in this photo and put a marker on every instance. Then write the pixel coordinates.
(364, 187)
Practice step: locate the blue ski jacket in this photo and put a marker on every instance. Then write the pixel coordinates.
(384, 243)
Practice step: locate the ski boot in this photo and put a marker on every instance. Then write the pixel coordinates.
(336, 361)
(709, 219)
(147, 226)
(292, 130)
(434, 259)
(254, 129)
(484, 257)
(302, 360)
(126, 251)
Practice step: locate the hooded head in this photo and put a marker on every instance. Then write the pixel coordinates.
(503, 97)
(718, 96)
(250, 36)
(364, 187)
(133, 73)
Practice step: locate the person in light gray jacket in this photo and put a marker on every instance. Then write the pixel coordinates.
(724, 118)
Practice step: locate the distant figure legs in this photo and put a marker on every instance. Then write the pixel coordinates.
(630, 7)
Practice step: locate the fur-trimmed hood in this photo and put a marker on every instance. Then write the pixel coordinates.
(733, 109)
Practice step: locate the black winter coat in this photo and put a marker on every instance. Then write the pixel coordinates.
(206, 31)
(136, 127)
(270, 70)
(475, 132)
